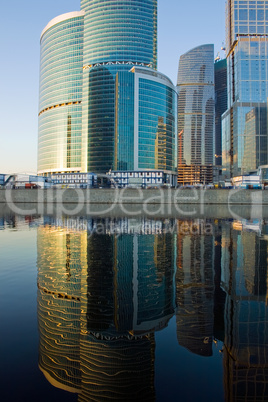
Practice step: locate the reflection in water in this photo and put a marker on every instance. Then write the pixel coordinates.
(195, 289)
(61, 259)
(106, 285)
(244, 265)
(101, 298)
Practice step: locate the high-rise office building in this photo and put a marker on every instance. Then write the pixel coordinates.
(60, 95)
(98, 86)
(220, 105)
(196, 116)
(146, 123)
(244, 124)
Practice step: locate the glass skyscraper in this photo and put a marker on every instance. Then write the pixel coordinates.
(244, 124)
(146, 124)
(60, 99)
(196, 116)
(109, 39)
(220, 105)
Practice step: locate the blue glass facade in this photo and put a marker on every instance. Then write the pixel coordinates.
(60, 109)
(117, 35)
(111, 122)
(196, 116)
(244, 124)
(157, 125)
(220, 105)
(120, 31)
(124, 124)
(146, 123)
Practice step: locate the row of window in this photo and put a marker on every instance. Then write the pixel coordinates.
(73, 25)
(151, 180)
(137, 174)
(251, 14)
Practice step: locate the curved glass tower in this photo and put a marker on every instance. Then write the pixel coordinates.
(196, 116)
(120, 31)
(118, 35)
(60, 98)
(146, 123)
(89, 92)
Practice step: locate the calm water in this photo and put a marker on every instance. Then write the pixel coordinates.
(133, 309)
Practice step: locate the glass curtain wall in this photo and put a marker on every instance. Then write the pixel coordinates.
(196, 116)
(245, 122)
(220, 105)
(60, 108)
(118, 35)
(146, 121)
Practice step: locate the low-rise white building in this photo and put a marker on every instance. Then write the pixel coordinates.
(143, 178)
(81, 180)
(247, 181)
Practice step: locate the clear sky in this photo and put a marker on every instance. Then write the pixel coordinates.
(182, 25)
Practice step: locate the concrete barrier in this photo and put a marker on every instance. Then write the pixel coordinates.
(136, 196)
(237, 204)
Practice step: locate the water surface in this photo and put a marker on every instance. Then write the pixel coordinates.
(133, 308)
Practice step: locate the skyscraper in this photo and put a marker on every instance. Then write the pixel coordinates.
(92, 119)
(146, 123)
(220, 105)
(244, 124)
(60, 95)
(196, 116)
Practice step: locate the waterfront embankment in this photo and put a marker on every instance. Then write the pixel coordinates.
(185, 203)
(136, 196)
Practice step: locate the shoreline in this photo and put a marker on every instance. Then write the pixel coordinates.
(132, 203)
(135, 196)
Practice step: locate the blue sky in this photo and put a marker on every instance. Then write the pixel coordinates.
(182, 25)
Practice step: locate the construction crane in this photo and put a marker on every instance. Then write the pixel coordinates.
(217, 58)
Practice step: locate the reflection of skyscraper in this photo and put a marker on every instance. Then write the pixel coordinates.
(195, 293)
(60, 262)
(196, 116)
(114, 363)
(255, 264)
(100, 299)
(120, 369)
(246, 339)
(246, 47)
(219, 294)
(121, 297)
(155, 306)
